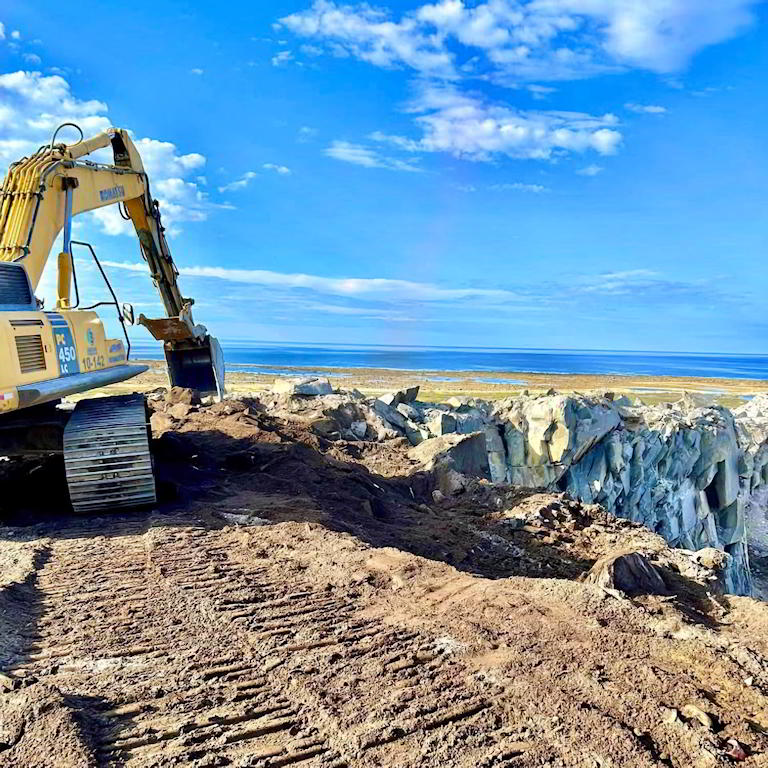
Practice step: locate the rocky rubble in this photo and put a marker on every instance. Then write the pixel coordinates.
(689, 472)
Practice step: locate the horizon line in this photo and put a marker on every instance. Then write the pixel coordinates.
(326, 345)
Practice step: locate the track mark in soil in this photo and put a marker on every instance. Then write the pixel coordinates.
(185, 655)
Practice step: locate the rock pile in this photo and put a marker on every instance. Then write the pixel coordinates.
(686, 471)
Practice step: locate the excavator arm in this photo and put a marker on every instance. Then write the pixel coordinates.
(40, 196)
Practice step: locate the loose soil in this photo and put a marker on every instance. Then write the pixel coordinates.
(294, 601)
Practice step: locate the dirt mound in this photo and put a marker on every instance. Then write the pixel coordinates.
(39, 728)
(250, 465)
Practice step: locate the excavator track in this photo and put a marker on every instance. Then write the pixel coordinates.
(106, 455)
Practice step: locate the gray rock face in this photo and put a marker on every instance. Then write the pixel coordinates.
(751, 422)
(389, 413)
(442, 424)
(673, 468)
(411, 412)
(416, 433)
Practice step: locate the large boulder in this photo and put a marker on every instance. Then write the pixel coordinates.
(416, 433)
(161, 423)
(182, 395)
(389, 413)
(630, 572)
(441, 423)
(465, 454)
(302, 386)
(401, 396)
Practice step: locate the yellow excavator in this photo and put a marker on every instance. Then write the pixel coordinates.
(48, 355)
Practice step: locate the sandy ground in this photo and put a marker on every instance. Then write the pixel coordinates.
(285, 604)
(440, 385)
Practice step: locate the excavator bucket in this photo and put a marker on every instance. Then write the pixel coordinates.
(198, 365)
(194, 358)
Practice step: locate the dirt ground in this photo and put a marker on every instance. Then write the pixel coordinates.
(295, 601)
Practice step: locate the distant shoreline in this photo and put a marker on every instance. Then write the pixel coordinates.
(441, 384)
(276, 359)
(240, 344)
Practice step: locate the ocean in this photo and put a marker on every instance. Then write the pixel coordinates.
(264, 357)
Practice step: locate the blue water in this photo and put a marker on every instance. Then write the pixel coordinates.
(266, 356)
(493, 380)
(255, 368)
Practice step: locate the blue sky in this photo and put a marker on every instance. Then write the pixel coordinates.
(510, 173)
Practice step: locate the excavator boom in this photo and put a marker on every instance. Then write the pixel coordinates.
(40, 196)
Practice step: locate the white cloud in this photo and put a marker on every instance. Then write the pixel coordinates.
(368, 34)
(281, 58)
(648, 109)
(660, 35)
(32, 58)
(590, 170)
(540, 92)
(358, 154)
(161, 158)
(240, 183)
(526, 39)
(2, 31)
(362, 313)
(196, 71)
(371, 288)
(519, 186)
(306, 133)
(372, 296)
(279, 169)
(468, 126)
(32, 105)
(311, 50)
(632, 282)
(16, 35)
(111, 222)
(508, 186)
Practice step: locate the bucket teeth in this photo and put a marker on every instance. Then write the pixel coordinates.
(106, 455)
